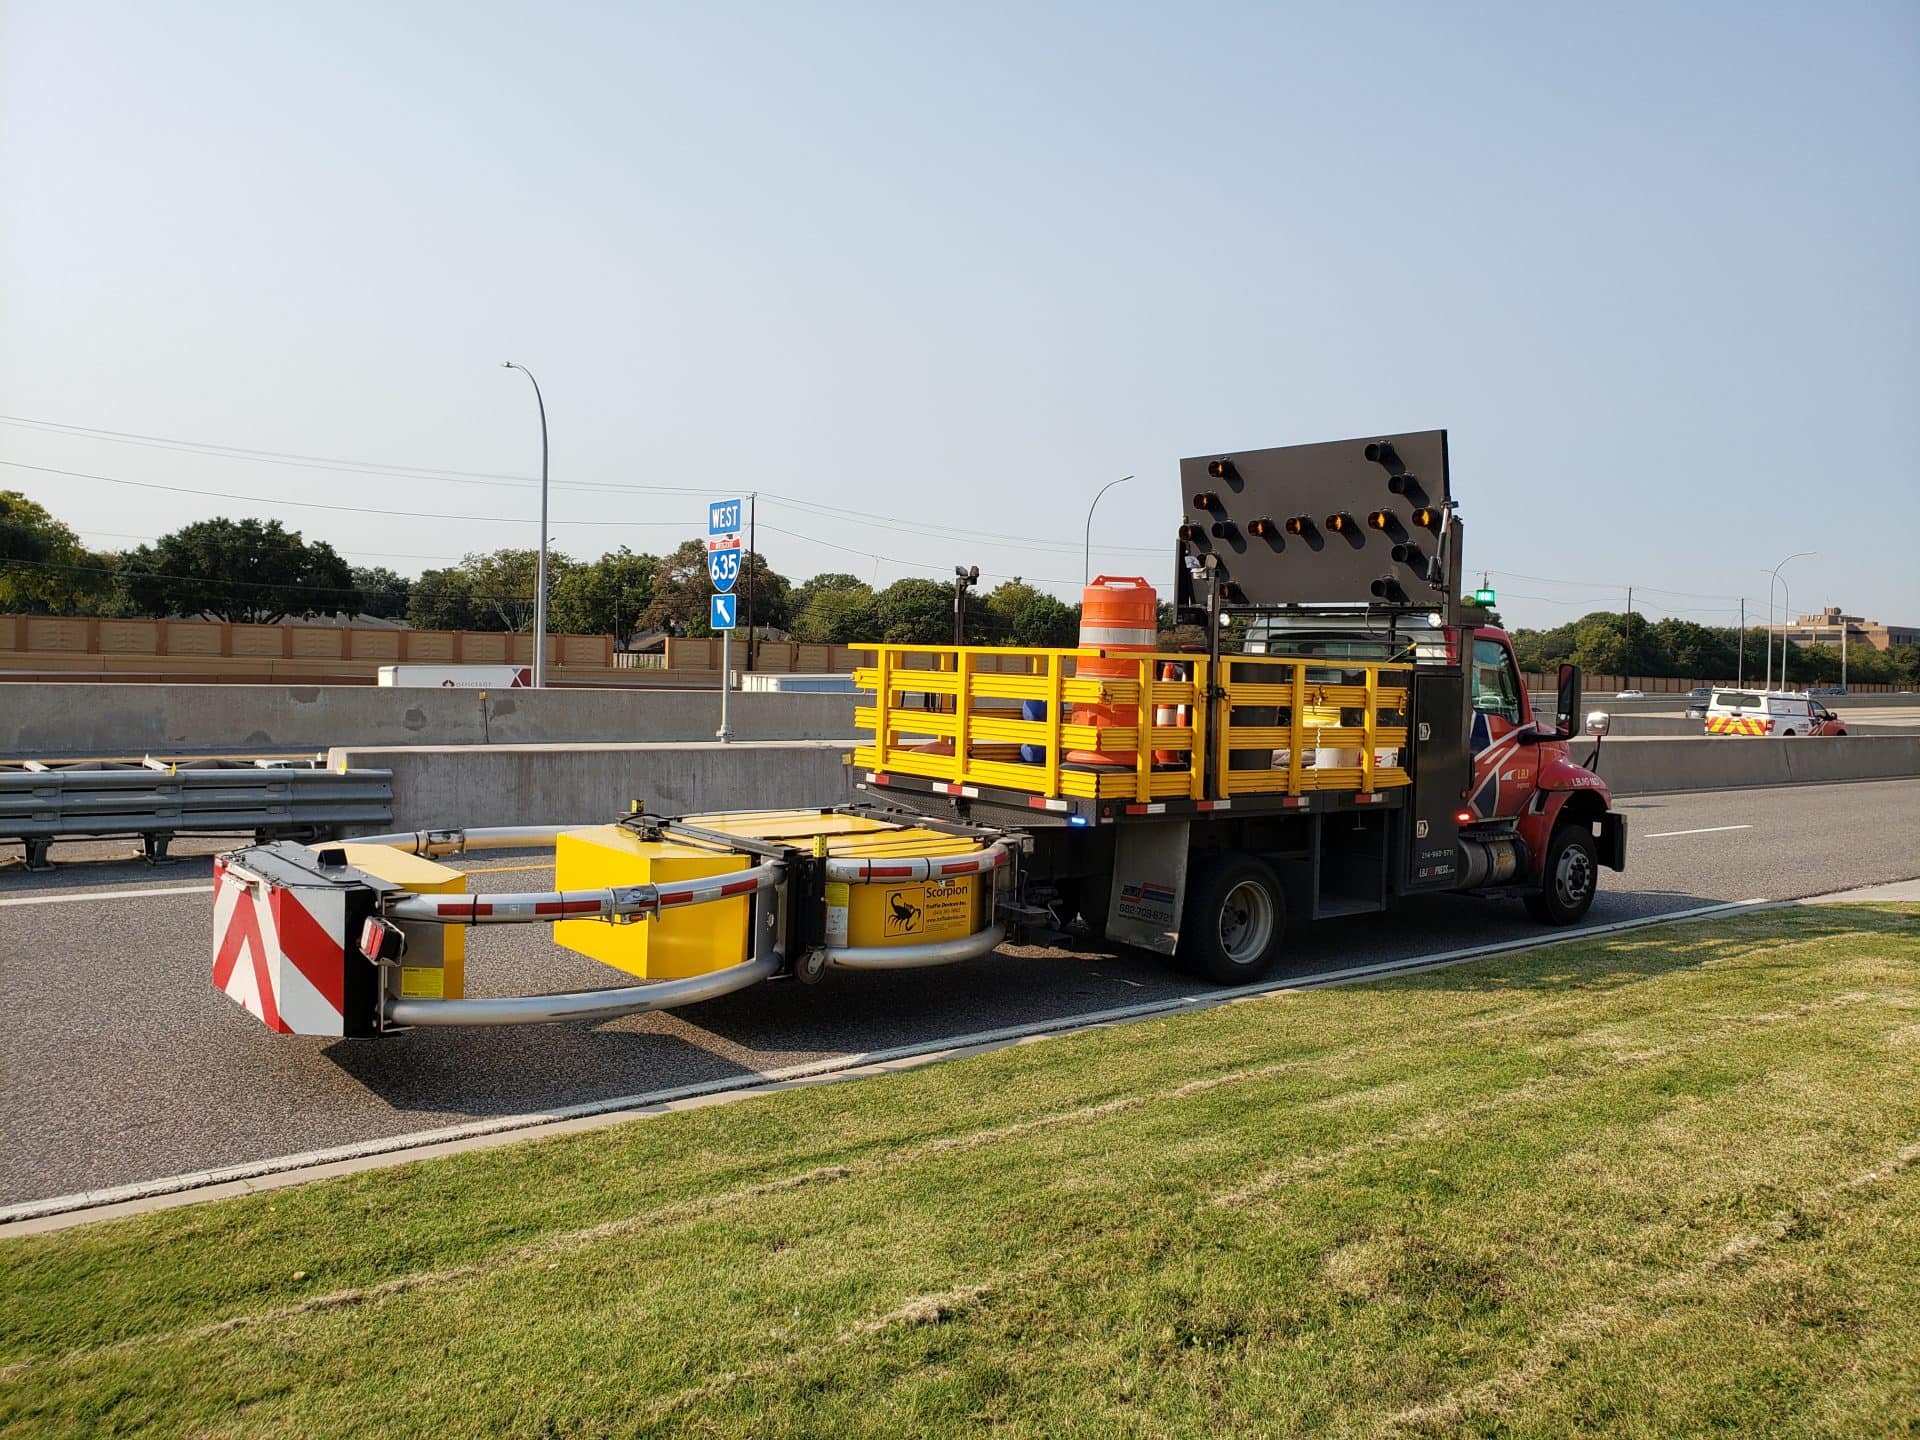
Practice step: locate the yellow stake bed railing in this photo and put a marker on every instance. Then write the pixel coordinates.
(1280, 726)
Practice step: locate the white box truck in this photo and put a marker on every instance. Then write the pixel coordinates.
(459, 677)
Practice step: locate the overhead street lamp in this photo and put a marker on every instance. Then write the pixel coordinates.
(1086, 558)
(540, 573)
(1798, 555)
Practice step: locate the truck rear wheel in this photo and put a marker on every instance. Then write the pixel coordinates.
(1568, 879)
(1235, 914)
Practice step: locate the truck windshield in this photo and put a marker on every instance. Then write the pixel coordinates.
(1494, 689)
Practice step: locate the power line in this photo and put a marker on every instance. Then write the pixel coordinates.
(348, 509)
(485, 477)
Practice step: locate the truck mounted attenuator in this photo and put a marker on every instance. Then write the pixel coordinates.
(1345, 735)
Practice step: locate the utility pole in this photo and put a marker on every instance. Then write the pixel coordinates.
(753, 519)
(1742, 678)
(540, 573)
(1628, 658)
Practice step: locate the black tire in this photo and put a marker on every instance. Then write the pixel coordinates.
(1235, 917)
(1789, 734)
(1569, 878)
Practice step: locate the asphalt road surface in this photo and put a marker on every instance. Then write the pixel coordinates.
(122, 1064)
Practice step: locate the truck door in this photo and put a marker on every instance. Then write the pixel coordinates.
(1502, 767)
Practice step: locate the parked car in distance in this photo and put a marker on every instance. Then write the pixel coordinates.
(1630, 695)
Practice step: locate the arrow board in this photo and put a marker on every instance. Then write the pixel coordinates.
(721, 611)
(723, 567)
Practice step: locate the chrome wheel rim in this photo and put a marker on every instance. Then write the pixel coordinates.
(1246, 922)
(1573, 877)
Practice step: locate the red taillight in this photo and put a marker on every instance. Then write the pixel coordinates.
(1463, 817)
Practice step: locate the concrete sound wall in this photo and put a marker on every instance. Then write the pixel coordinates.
(444, 786)
(48, 721)
(1635, 765)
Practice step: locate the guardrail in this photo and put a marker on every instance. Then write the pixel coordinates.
(157, 801)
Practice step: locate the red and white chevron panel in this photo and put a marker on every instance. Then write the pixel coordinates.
(280, 954)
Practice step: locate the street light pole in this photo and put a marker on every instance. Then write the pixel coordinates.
(1086, 558)
(1768, 681)
(540, 573)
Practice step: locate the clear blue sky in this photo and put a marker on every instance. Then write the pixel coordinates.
(1654, 266)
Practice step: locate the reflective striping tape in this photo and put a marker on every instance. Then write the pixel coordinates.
(1093, 636)
(1040, 802)
(1159, 807)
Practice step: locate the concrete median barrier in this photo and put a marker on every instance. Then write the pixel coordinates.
(444, 786)
(1645, 765)
(48, 721)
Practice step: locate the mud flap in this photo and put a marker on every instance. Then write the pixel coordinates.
(1612, 843)
(1149, 884)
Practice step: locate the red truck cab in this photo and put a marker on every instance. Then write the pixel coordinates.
(1525, 779)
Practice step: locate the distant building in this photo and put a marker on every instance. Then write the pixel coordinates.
(1825, 629)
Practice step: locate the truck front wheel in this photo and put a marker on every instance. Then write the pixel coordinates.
(1235, 914)
(1568, 879)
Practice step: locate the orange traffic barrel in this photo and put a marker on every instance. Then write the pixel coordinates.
(1119, 614)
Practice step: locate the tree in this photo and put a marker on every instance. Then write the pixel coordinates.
(44, 569)
(442, 600)
(914, 612)
(383, 592)
(1017, 614)
(1600, 646)
(681, 587)
(606, 596)
(502, 584)
(832, 580)
(239, 570)
(836, 617)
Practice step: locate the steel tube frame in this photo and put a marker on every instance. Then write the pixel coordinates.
(914, 957)
(458, 842)
(862, 872)
(618, 902)
(582, 1004)
(603, 1004)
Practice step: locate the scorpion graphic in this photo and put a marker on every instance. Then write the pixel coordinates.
(905, 916)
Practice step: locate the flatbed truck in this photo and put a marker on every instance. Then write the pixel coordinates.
(1348, 735)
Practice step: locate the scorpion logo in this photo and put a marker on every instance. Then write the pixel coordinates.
(905, 917)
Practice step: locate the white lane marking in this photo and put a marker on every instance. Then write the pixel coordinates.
(105, 895)
(1708, 830)
(181, 1189)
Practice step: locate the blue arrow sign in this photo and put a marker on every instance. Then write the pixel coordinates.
(723, 568)
(721, 611)
(723, 517)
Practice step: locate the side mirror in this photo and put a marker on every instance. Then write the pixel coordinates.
(1567, 705)
(1599, 723)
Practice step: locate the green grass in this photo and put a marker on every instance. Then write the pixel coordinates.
(1663, 1183)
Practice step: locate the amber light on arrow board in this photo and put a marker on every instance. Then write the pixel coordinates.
(1221, 470)
(1379, 520)
(1263, 528)
(1206, 500)
(1427, 518)
(1298, 525)
(1191, 533)
(1341, 523)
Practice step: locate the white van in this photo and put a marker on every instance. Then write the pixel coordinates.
(1769, 712)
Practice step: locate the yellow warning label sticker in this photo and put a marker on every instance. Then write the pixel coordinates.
(417, 982)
